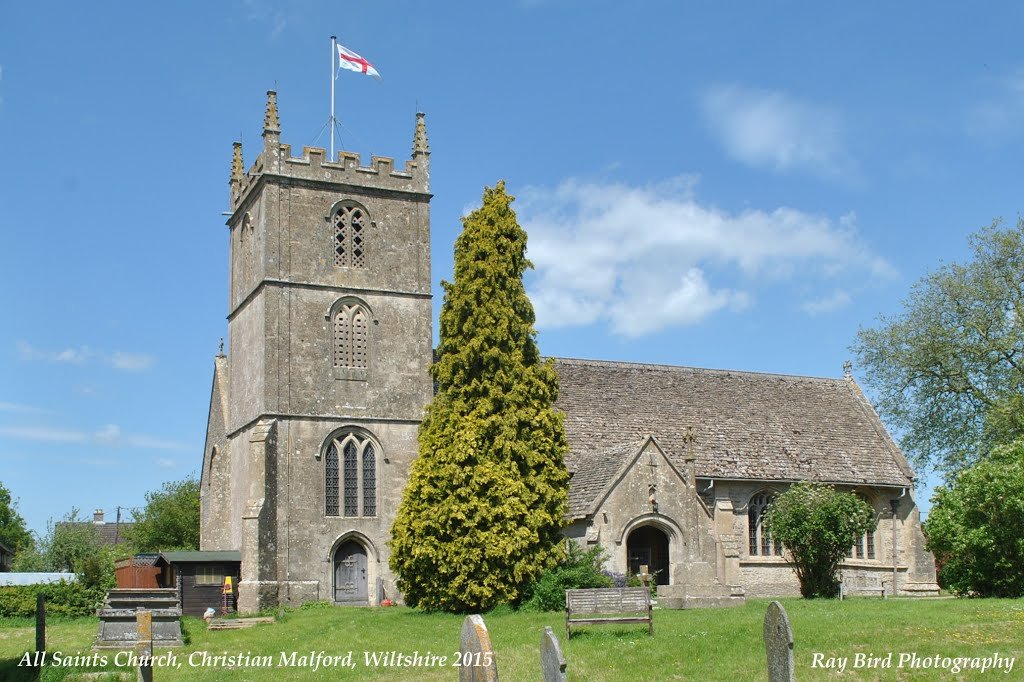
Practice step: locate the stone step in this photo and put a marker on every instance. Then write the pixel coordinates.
(238, 623)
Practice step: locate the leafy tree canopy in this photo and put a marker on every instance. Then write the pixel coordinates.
(948, 371)
(481, 516)
(170, 519)
(818, 525)
(974, 527)
(13, 531)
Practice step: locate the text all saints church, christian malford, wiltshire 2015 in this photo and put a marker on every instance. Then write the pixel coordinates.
(314, 412)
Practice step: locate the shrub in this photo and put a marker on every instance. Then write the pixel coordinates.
(580, 569)
(975, 530)
(817, 525)
(64, 598)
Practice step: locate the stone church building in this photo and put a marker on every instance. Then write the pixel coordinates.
(315, 408)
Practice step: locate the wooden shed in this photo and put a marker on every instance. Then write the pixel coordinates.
(199, 578)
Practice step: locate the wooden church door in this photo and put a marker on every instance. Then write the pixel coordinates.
(350, 583)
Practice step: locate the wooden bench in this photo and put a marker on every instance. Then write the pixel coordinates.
(608, 605)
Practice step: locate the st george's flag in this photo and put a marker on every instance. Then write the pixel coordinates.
(353, 62)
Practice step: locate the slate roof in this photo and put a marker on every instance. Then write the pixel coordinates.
(110, 533)
(594, 470)
(766, 427)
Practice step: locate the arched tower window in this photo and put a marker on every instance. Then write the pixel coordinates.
(351, 224)
(760, 541)
(351, 332)
(350, 476)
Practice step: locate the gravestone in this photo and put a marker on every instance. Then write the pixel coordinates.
(778, 644)
(476, 652)
(144, 645)
(552, 662)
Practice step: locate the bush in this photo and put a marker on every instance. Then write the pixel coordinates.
(817, 525)
(974, 528)
(580, 569)
(65, 598)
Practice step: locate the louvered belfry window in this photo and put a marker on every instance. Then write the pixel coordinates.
(350, 227)
(351, 483)
(351, 331)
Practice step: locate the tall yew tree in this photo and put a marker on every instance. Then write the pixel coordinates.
(482, 514)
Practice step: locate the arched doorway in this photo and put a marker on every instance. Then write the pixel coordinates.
(648, 546)
(350, 581)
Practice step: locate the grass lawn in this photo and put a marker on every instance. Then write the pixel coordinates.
(714, 644)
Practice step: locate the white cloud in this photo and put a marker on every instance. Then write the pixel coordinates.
(109, 435)
(72, 355)
(43, 434)
(836, 300)
(22, 409)
(262, 12)
(120, 360)
(1002, 113)
(131, 362)
(166, 463)
(641, 259)
(770, 129)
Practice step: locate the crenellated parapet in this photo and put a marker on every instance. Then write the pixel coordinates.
(276, 160)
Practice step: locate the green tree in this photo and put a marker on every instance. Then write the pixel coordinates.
(13, 531)
(482, 514)
(974, 527)
(818, 525)
(70, 542)
(948, 372)
(170, 519)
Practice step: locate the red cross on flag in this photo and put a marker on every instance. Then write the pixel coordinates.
(353, 62)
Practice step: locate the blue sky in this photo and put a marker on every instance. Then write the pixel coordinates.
(737, 186)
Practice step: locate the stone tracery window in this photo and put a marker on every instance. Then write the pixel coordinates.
(351, 224)
(759, 541)
(350, 476)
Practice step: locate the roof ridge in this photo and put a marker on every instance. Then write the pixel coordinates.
(710, 370)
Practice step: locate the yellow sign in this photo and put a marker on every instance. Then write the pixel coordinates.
(227, 585)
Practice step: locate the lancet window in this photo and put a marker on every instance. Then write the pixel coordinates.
(350, 476)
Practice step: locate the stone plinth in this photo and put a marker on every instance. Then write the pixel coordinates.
(118, 617)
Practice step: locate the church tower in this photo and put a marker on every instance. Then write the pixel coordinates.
(315, 408)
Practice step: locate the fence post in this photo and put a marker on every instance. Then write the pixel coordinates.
(40, 623)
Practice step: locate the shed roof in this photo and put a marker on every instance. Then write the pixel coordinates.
(200, 557)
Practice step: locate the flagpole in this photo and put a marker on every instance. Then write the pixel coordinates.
(334, 51)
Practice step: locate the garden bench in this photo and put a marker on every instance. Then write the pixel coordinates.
(608, 605)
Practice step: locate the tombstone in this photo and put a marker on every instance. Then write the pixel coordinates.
(144, 645)
(552, 662)
(476, 653)
(778, 644)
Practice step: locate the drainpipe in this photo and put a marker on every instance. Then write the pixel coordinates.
(895, 503)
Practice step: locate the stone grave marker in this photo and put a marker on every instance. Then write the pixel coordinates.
(144, 645)
(778, 644)
(552, 662)
(476, 653)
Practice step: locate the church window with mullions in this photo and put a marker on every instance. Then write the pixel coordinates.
(760, 541)
(350, 476)
(351, 224)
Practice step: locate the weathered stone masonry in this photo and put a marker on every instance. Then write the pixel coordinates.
(314, 412)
